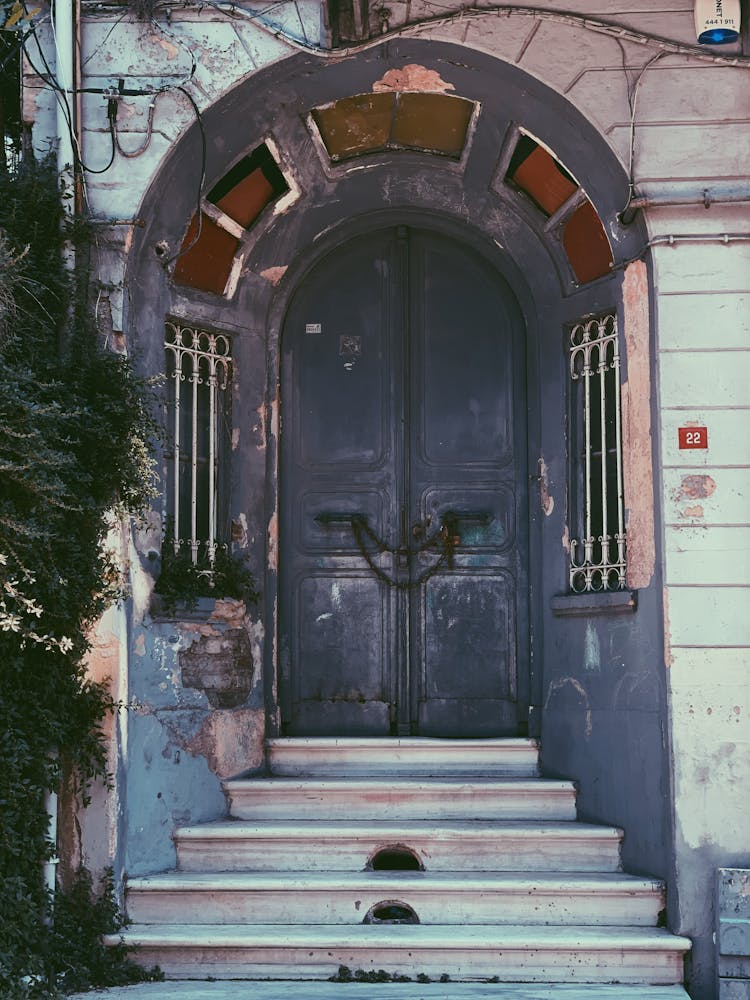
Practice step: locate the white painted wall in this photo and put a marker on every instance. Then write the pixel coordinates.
(703, 345)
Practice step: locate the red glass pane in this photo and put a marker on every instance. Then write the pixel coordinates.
(586, 244)
(246, 200)
(544, 180)
(207, 264)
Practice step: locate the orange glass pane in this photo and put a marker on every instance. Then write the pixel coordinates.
(245, 190)
(544, 180)
(355, 125)
(435, 122)
(207, 264)
(246, 200)
(586, 244)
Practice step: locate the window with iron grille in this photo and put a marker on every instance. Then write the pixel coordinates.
(199, 379)
(597, 546)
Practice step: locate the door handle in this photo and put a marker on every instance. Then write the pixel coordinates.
(334, 519)
(478, 517)
(452, 520)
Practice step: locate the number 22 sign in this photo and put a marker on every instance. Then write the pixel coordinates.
(692, 437)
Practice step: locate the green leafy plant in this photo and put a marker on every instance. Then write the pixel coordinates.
(182, 581)
(75, 431)
(82, 916)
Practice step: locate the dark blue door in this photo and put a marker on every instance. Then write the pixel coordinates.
(403, 581)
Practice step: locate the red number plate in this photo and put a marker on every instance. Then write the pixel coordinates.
(692, 437)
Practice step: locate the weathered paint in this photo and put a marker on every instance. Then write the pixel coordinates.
(636, 428)
(668, 658)
(239, 531)
(695, 511)
(231, 742)
(413, 77)
(546, 499)
(695, 487)
(684, 143)
(579, 710)
(274, 274)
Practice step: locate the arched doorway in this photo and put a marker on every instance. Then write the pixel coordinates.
(403, 575)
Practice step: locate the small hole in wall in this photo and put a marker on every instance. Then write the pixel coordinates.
(391, 911)
(395, 859)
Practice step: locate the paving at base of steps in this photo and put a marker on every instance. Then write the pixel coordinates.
(307, 990)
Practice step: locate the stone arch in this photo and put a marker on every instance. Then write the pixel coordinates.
(470, 195)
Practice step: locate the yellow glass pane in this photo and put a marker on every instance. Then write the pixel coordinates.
(355, 125)
(435, 122)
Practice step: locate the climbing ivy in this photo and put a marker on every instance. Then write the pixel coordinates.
(75, 428)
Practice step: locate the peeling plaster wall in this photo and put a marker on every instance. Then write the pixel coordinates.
(91, 836)
(195, 717)
(637, 441)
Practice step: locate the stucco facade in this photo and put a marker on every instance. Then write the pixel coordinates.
(645, 704)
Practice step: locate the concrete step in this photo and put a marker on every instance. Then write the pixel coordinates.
(325, 757)
(436, 897)
(511, 953)
(504, 845)
(317, 990)
(401, 798)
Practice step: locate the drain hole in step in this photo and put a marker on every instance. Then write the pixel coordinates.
(391, 911)
(395, 859)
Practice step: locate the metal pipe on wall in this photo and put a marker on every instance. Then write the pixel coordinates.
(62, 26)
(50, 865)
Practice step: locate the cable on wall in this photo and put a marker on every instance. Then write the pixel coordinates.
(199, 196)
(613, 29)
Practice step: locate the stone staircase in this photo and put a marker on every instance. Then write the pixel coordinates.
(439, 859)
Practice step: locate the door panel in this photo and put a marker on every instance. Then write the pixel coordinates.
(467, 458)
(402, 412)
(465, 421)
(338, 457)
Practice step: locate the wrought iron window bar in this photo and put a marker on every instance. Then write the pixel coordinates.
(199, 373)
(597, 559)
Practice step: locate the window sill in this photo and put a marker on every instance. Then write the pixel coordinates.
(182, 611)
(610, 602)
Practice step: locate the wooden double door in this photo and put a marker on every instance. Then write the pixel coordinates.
(403, 601)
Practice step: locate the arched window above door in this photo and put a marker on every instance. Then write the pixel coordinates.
(220, 224)
(371, 123)
(538, 174)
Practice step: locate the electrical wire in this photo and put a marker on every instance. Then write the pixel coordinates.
(112, 118)
(199, 197)
(179, 41)
(613, 29)
(231, 10)
(61, 96)
(131, 154)
(633, 101)
(20, 43)
(113, 96)
(106, 38)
